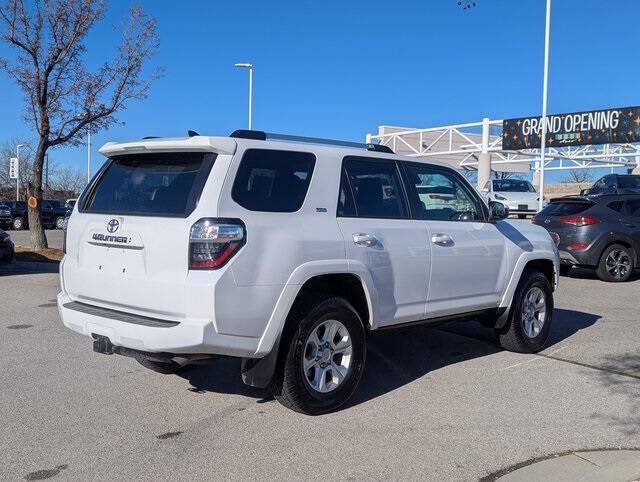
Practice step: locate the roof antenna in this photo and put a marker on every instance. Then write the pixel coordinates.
(192, 133)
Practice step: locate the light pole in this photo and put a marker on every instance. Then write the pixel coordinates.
(250, 67)
(18, 176)
(88, 153)
(543, 141)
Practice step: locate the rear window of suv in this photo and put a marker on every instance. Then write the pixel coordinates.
(564, 208)
(273, 181)
(161, 184)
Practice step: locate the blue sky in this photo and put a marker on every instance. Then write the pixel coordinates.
(340, 69)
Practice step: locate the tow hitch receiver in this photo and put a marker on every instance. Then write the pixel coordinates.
(102, 344)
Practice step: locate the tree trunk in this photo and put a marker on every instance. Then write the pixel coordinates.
(38, 238)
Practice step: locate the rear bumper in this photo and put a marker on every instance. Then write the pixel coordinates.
(187, 336)
(585, 257)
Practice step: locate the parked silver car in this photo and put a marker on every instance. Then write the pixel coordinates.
(517, 194)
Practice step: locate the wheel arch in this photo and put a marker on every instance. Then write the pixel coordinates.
(328, 282)
(627, 243)
(547, 263)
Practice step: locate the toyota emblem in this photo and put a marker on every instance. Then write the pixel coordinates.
(113, 225)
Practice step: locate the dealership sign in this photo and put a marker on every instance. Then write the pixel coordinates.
(595, 127)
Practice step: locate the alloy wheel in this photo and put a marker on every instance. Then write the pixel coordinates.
(327, 356)
(534, 311)
(618, 263)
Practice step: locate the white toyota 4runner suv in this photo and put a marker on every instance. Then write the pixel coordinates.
(286, 252)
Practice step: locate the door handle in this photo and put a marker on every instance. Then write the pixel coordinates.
(364, 239)
(442, 239)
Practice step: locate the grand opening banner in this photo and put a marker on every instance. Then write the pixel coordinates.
(607, 126)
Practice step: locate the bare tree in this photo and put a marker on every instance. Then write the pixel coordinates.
(506, 175)
(579, 176)
(67, 180)
(63, 97)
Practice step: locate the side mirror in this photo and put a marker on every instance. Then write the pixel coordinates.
(497, 211)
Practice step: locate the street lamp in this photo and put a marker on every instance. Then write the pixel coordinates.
(545, 79)
(250, 67)
(88, 153)
(18, 171)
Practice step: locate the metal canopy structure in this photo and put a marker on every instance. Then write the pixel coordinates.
(460, 146)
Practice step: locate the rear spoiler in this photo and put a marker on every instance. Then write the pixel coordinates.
(572, 199)
(219, 145)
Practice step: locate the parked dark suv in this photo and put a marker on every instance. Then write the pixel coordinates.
(53, 214)
(615, 184)
(597, 231)
(5, 215)
(18, 214)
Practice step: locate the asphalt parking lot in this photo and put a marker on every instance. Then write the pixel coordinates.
(434, 404)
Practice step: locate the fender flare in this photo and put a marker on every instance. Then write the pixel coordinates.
(258, 371)
(504, 307)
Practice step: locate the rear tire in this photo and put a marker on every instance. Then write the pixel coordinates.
(530, 316)
(565, 268)
(320, 372)
(616, 264)
(60, 222)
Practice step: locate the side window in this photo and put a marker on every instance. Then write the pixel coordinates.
(600, 185)
(632, 208)
(346, 205)
(376, 188)
(273, 181)
(437, 194)
(616, 206)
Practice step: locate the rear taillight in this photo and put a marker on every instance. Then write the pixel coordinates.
(534, 220)
(214, 241)
(577, 246)
(555, 237)
(579, 220)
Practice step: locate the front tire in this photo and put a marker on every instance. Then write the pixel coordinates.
(616, 264)
(530, 315)
(324, 358)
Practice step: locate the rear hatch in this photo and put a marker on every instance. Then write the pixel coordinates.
(129, 242)
(565, 217)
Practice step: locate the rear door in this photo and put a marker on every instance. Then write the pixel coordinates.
(128, 247)
(374, 219)
(467, 253)
(631, 220)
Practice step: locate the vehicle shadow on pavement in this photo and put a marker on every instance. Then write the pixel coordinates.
(221, 376)
(12, 268)
(395, 357)
(398, 357)
(587, 273)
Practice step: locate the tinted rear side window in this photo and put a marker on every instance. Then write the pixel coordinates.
(273, 181)
(564, 209)
(376, 188)
(164, 184)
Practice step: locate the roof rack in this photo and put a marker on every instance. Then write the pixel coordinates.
(263, 136)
